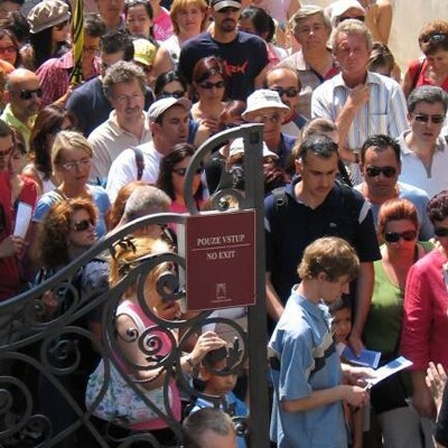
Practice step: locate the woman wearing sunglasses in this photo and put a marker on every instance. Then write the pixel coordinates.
(433, 68)
(68, 231)
(173, 169)
(398, 227)
(425, 320)
(209, 84)
(71, 160)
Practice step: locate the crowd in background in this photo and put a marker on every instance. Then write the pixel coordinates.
(353, 147)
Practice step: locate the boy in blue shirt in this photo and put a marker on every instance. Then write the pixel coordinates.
(305, 367)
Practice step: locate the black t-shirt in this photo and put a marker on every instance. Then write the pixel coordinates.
(244, 58)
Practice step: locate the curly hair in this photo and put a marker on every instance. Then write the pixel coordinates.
(48, 121)
(55, 230)
(437, 207)
(434, 37)
(123, 72)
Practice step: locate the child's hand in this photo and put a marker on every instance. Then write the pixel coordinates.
(207, 342)
(356, 396)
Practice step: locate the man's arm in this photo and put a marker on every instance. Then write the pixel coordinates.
(353, 395)
(273, 303)
(355, 101)
(363, 298)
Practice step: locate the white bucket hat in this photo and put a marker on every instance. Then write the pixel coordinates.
(263, 99)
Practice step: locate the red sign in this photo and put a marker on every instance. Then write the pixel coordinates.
(220, 260)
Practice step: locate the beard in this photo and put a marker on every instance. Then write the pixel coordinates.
(228, 25)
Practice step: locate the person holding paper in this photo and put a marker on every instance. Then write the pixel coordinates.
(305, 368)
(398, 227)
(11, 244)
(425, 320)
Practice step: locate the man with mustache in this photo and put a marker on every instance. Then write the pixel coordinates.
(127, 125)
(244, 56)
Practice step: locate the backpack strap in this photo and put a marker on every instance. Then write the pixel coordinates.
(139, 162)
(280, 198)
(351, 203)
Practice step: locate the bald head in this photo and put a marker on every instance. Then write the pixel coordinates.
(24, 92)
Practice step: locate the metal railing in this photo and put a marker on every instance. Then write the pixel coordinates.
(43, 365)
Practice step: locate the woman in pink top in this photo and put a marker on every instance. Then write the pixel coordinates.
(173, 169)
(425, 319)
(129, 334)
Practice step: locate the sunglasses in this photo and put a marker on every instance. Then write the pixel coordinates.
(440, 231)
(183, 171)
(85, 224)
(423, 118)
(388, 171)
(210, 85)
(176, 94)
(394, 237)
(26, 94)
(290, 92)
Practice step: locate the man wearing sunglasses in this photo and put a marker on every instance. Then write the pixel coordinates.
(24, 101)
(286, 81)
(380, 167)
(424, 152)
(244, 56)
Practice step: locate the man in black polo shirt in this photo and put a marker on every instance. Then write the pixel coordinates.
(244, 55)
(312, 206)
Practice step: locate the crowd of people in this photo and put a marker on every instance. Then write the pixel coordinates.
(355, 154)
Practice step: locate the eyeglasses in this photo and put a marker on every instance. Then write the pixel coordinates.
(342, 19)
(9, 49)
(26, 94)
(80, 226)
(76, 163)
(209, 85)
(374, 171)
(183, 171)
(434, 38)
(273, 118)
(6, 152)
(440, 231)
(176, 94)
(61, 26)
(394, 237)
(290, 92)
(423, 118)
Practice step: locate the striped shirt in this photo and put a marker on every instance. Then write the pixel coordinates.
(385, 112)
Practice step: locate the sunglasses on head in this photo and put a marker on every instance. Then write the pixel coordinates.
(388, 171)
(210, 85)
(423, 118)
(440, 231)
(394, 237)
(27, 94)
(436, 37)
(183, 171)
(80, 226)
(290, 92)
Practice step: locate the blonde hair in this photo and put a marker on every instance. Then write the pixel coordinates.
(69, 140)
